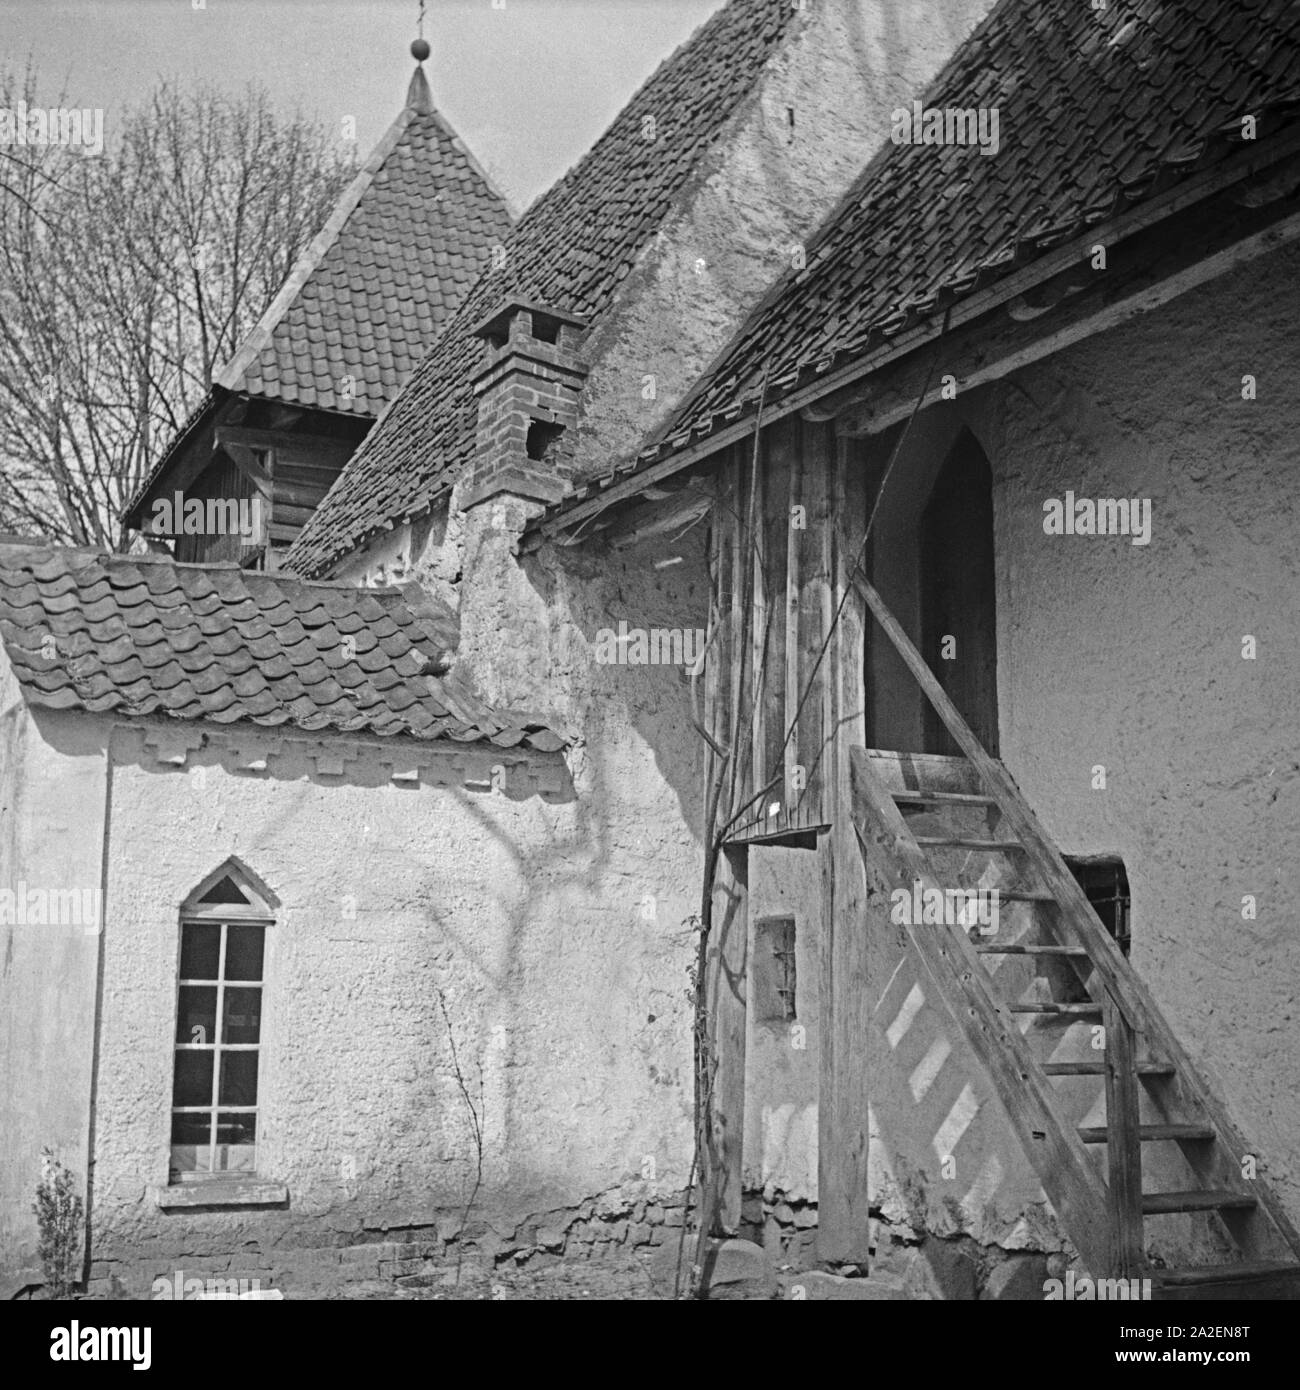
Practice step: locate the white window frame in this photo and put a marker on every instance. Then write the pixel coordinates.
(258, 911)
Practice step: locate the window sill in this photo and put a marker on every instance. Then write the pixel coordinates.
(222, 1192)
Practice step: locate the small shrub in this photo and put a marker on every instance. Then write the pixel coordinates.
(58, 1211)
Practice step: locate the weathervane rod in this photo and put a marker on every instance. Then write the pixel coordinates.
(420, 49)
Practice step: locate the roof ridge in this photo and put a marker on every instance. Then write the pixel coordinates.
(38, 544)
(664, 63)
(731, 383)
(552, 254)
(246, 648)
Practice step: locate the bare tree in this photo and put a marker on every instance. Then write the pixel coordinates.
(127, 277)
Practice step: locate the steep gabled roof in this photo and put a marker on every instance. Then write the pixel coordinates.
(138, 636)
(1099, 110)
(379, 282)
(571, 250)
(389, 268)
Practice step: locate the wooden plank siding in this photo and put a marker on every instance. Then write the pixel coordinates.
(844, 1075)
(775, 648)
(299, 479)
(784, 688)
(225, 481)
(302, 472)
(770, 610)
(726, 682)
(726, 1001)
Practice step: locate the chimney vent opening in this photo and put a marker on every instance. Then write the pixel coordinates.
(542, 436)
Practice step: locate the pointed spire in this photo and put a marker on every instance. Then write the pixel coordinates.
(418, 94)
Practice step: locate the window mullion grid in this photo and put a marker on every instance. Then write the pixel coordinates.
(216, 1049)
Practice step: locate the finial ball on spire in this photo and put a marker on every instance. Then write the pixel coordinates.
(420, 50)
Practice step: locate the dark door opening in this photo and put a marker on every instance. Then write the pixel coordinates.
(1105, 883)
(957, 595)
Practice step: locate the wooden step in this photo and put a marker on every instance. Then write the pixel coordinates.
(967, 842)
(1051, 1008)
(918, 798)
(1099, 1068)
(1202, 1199)
(1242, 1272)
(1031, 951)
(1148, 1134)
(1097, 1228)
(1248, 1281)
(1039, 1122)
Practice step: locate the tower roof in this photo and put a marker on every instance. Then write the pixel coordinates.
(373, 290)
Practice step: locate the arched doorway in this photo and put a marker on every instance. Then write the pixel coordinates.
(931, 557)
(958, 600)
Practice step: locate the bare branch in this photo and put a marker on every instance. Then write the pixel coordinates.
(126, 279)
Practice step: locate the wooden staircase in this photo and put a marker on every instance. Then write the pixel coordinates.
(1070, 1036)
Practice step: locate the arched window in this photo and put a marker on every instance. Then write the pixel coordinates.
(219, 1025)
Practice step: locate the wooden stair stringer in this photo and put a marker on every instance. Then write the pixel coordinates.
(1073, 1185)
(1112, 973)
(1186, 1097)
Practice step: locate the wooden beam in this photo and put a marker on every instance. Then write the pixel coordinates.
(985, 351)
(565, 526)
(779, 459)
(195, 459)
(305, 474)
(304, 446)
(1123, 1144)
(795, 803)
(283, 417)
(292, 516)
(657, 520)
(729, 891)
(1079, 920)
(1050, 1141)
(728, 957)
(760, 621)
(717, 712)
(250, 466)
(843, 1192)
(297, 494)
(742, 602)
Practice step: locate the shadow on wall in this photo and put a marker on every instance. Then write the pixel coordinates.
(948, 1161)
(626, 871)
(568, 970)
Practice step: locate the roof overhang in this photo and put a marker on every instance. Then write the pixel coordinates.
(204, 417)
(1224, 216)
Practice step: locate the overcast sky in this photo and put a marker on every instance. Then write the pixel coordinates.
(528, 83)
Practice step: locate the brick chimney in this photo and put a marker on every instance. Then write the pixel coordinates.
(527, 394)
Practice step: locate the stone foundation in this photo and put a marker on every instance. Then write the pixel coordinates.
(917, 1264)
(622, 1222)
(635, 1221)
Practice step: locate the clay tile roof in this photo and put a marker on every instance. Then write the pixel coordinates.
(146, 636)
(1098, 109)
(570, 250)
(375, 287)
